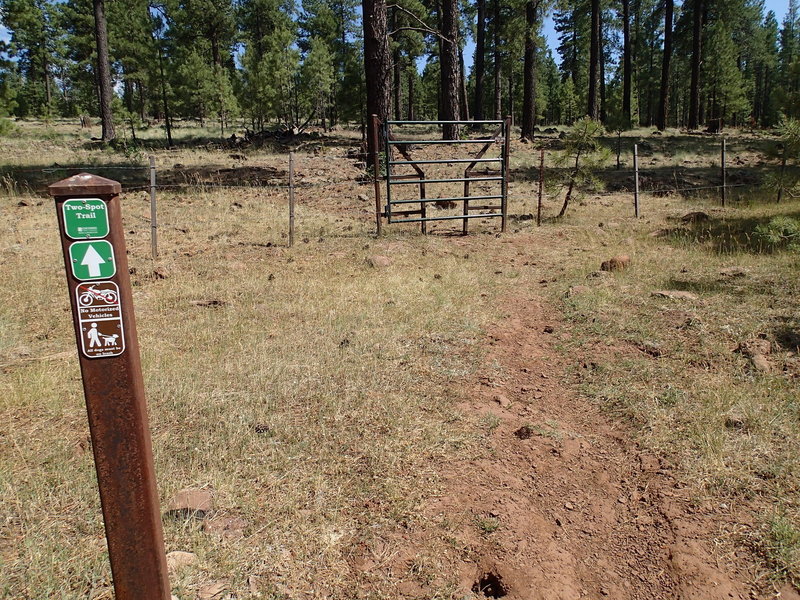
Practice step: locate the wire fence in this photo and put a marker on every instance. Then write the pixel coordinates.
(15, 179)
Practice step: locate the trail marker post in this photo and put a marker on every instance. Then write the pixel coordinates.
(93, 244)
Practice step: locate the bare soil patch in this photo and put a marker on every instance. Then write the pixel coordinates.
(562, 505)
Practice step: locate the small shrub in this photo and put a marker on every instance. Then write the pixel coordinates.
(7, 127)
(780, 233)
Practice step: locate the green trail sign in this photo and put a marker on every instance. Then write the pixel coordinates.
(92, 260)
(85, 218)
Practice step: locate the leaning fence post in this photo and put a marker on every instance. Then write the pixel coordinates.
(636, 180)
(541, 184)
(722, 162)
(153, 211)
(291, 199)
(376, 171)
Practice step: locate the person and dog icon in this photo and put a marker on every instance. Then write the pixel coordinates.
(95, 336)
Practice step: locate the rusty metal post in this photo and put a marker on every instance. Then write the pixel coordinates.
(506, 162)
(376, 173)
(541, 185)
(153, 211)
(93, 244)
(291, 199)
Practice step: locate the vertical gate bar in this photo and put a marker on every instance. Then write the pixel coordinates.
(423, 206)
(636, 180)
(388, 152)
(506, 152)
(153, 211)
(376, 168)
(291, 199)
(465, 227)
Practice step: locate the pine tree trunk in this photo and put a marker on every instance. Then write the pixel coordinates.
(449, 68)
(626, 64)
(498, 66)
(464, 106)
(396, 71)
(103, 70)
(529, 76)
(602, 68)
(376, 65)
(480, 59)
(697, 47)
(663, 106)
(410, 77)
(593, 109)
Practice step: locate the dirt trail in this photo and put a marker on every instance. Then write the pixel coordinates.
(567, 507)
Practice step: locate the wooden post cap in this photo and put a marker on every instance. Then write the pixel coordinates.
(84, 184)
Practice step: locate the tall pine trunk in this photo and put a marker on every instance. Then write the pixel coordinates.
(449, 68)
(376, 65)
(103, 70)
(410, 76)
(626, 64)
(593, 109)
(464, 104)
(663, 106)
(396, 88)
(697, 47)
(529, 77)
(498, 66)
(480, 60)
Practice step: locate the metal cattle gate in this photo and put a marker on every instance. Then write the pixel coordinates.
(397, 209)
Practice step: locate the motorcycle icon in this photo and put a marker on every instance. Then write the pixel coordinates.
(92, 294)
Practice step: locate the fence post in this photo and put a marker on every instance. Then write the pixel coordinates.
(376, 172)
(636, 180)
(722, 162)
(153, 211)
(541, 184)
(291, 199)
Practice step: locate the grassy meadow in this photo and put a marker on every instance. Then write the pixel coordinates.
(313, 389)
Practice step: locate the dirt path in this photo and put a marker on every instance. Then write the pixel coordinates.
(566, 507)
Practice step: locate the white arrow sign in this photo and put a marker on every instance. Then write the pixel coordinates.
(93, 260)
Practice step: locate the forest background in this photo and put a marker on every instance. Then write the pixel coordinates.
(278, 62)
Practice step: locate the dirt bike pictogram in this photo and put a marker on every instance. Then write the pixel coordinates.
(92, 294)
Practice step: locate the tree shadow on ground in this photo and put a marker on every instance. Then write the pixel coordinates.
(726, 235)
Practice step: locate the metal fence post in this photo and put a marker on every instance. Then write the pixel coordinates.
(291, 199)
(636, 180)
(93, 245)
(153, 211)
(723, 191)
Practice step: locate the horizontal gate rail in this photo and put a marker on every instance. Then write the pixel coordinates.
(448, 218)
(444, 161)
(492, 122)
(415, 142)
(454, 180)
(456, 199)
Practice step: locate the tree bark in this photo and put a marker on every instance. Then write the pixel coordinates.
(593, 109)
(449, 68)
(103, 70)
(697, 47)
(396, 71)
(480, 60)
(529, 76)
(663, 106)
(626, 63)
(498, 66)
(376, 64)
(464, 106)
(410, 76)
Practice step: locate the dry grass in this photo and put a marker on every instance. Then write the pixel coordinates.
(316, 398)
